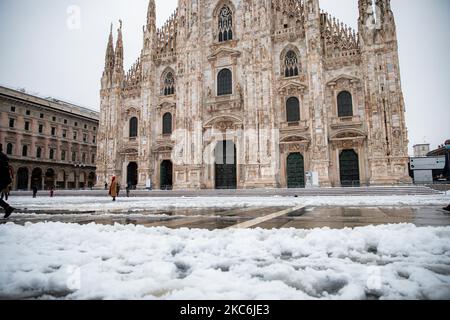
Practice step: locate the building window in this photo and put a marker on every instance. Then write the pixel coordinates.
(95, 128)
(169, 84)
(63, 155)
(167, 123)
(94, 139)
(74, 156)
(293, 110)
(41, 116)
(24, 151)
(225, 24)
(13, 109)
(224, 82)
(27, 125)
(53, 131)
(28, 112)
(38, 152)
(41, 128)
(85, 137)
(52, 154)
(64, 134)
(75, 135)
(93, 159)
(85, 126)
(53, 119)
(83, 158)
(291, 65)
(133, 127)
(65, 121)
(9, 149)
(345, 104)
(12, 123)
(76, 124)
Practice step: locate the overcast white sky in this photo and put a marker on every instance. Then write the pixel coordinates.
(40, 53)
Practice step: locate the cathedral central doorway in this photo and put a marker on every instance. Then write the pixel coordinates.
(225, 165)
(132, 175)
(349, 168)
(295, 169)
(166, 175)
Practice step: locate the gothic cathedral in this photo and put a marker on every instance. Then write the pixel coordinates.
(236, 94)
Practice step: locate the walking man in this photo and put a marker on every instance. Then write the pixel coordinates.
(114, 188)
(35, 189)
(5, 181)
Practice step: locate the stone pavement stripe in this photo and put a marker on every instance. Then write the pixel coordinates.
(254, 222)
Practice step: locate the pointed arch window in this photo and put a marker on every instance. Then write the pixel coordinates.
(133, 127)
(169, 84)
(167, 123)
(291, 64)
(293, 109)
(224, 82)
(225, 24)
(345, 104)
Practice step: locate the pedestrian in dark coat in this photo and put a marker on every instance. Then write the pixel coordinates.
(447, 208)
(35, 190)
(5, 181)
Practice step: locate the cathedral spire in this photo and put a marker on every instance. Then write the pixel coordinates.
(109, 57)
(119, 50)
(151, 15)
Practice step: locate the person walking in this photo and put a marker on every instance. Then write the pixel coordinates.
(128, 189)
(35, 190)
(52, 191)
(106, 185)
(114, 188)
(5, 181)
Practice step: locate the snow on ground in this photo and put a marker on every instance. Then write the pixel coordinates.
(55, 260)
(139, 204)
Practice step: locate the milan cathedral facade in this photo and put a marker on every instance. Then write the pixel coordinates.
(255, 94)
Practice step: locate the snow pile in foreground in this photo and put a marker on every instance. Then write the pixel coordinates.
(55, 260)
(139, 204)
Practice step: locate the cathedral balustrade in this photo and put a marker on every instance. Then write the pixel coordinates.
(288, 33)
(232, 102)
(345, 122)
(297, 125)
(342, 58)
(166, 56)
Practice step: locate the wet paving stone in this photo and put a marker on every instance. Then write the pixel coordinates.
(211, 219)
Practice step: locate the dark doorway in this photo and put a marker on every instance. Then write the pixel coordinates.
(225, 165)
(50, 178)
(132, 175)
(91, 180)
(36, 178)
(349, 168)
(22, 179)
(295, 169)
(166, 175)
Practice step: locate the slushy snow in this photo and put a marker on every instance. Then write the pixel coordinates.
(104, 204)
(70, 261)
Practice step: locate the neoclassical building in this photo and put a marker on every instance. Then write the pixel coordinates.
(50, 143)
(255, 94)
